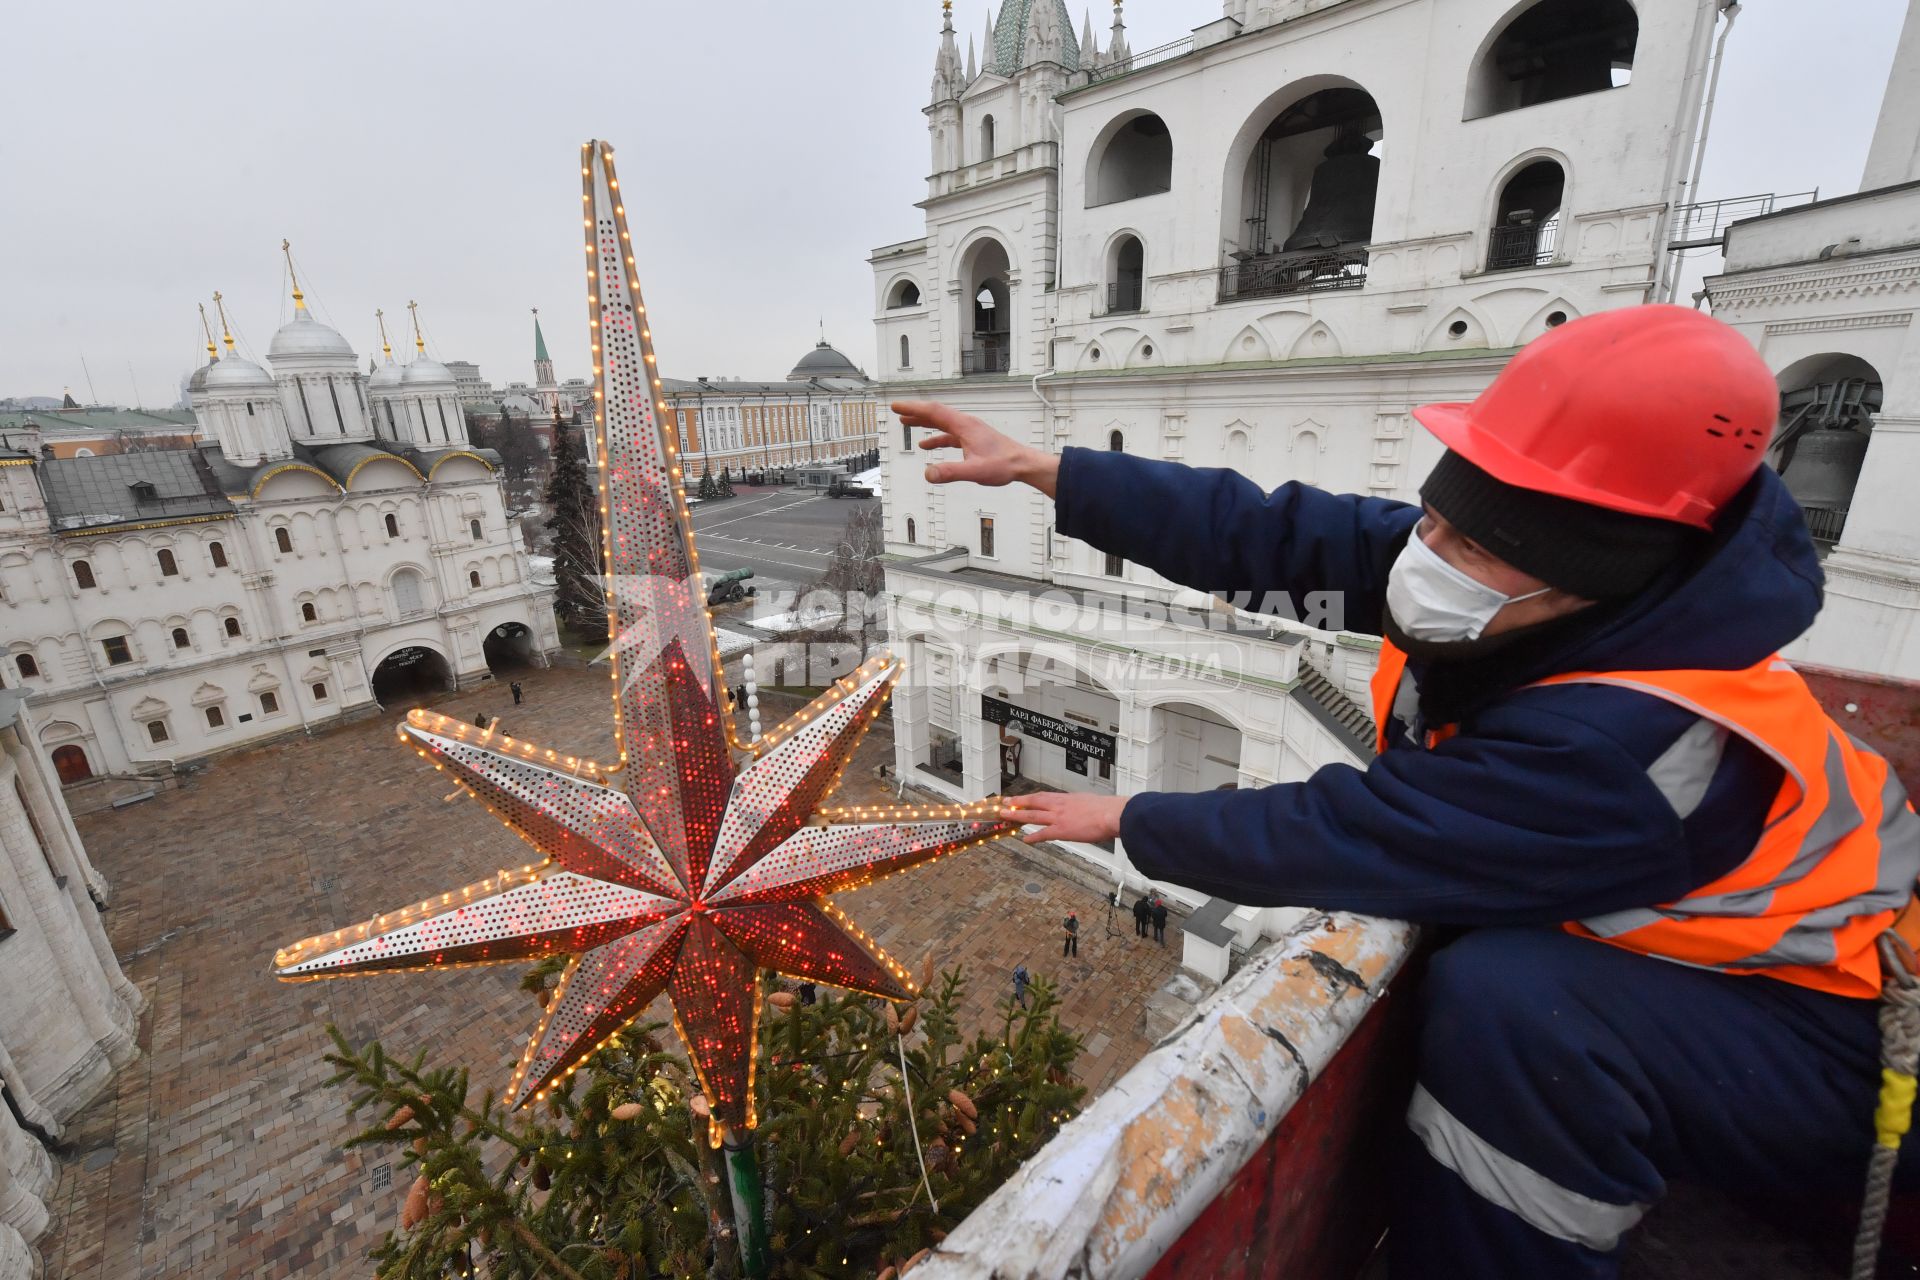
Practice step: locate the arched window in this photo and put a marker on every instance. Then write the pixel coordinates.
(169, 568)
(283, 539)
(232, 626)
(473, 526)
(912, 535)
(904, 294)
(219, 554)
(1135, 159)
(157, 730)
(29, 669)
(986, 138)
(181, 640)
(216, 718)
(83, 575)
(269, 704)
(1126, 275)
(1551, 50)
(393, 526)
(1116, 442)
(906, 352)
(409, 592)
(1526, 221)
(473, 579)
(308, 613)
(320, 691)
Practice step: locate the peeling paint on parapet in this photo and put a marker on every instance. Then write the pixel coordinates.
(1120, 1183)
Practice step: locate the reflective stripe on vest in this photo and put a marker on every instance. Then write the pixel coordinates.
(1838, 858)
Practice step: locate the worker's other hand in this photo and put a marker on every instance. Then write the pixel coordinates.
(987, 456)
(1066, 815)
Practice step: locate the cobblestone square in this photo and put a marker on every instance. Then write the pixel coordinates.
(217, 1154)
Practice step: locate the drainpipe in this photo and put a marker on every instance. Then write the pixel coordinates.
(1689, 192)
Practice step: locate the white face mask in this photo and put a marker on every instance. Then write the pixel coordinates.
(1432, 600)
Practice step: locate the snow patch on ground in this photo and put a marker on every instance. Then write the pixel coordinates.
(733, 643)
(871, 479)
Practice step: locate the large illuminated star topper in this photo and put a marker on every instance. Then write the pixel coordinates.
(699, 859)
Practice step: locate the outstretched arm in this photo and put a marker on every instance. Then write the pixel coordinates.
(1210, 529)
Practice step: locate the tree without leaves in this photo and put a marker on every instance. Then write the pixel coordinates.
(855, 578)
(521, 457)
(612, 1178)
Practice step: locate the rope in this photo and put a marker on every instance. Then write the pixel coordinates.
(913, 1123)
(1899, 1062)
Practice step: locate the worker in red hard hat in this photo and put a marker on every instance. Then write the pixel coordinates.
(1671, 868)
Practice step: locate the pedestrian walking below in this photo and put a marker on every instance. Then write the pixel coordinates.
(806, 993)
(518, 692)
(1141, 914)
(1070, 945)
(1159, 919)
(1020, 981)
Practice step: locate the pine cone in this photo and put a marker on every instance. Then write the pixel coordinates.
(848, 1143)
(914, 1261)
(782, 1000)
(926, 971)
(907, 1019)
(401, 1118)
(627, 1110)
(893, 1020)
(419, 1146)
(414, 1209)
(545, 997)
(963, 1104)
(542, 1180)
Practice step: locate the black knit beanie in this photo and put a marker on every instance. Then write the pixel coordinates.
(1580, 548)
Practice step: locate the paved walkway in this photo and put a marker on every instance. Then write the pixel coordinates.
(217, 1154)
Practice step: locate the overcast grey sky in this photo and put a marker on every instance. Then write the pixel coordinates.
(155, 152)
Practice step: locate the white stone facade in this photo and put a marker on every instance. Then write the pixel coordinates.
(67, 1014)
(1126, 218)
(1828, 293)
(163, 606)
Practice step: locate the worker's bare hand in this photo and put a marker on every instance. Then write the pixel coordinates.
(1063, 815)
(988, 457)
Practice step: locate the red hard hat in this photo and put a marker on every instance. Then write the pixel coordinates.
(1655, 410)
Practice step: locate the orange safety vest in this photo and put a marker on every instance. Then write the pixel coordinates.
(1836, 863)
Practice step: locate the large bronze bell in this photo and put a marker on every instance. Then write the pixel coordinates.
(1825, 467)
(1340, 201)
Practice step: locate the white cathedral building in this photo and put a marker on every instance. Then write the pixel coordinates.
(1257, 248)
(335, 536)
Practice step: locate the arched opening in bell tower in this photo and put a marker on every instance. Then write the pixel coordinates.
(986, 309)
(1827, 405)
(1307, 174)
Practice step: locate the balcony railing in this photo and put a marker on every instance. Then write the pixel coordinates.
(986, 355)
(1311, 271)
(1826, 523)
(1704, 224)
(1141, 61)
(1124, 296)
(1512, 248)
